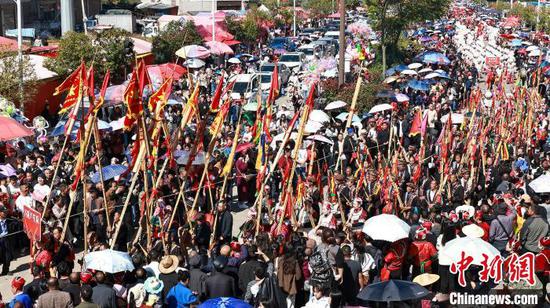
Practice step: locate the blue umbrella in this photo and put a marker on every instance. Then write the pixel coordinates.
(515, 42)
(225, 302)
(396, 69)
(59, 128)
(393, 291)
(344, 117)
(109, 172)
(434, 58)
(418, 85)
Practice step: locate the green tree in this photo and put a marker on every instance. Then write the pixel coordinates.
(111, 53)
(391, 17)
(172, 38)
(10, 74)
(249, 29)
(73, 47)
(320, 8)
(106, 50)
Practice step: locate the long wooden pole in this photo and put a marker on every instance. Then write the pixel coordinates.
(350, 114)
(128, 197)
(97, 147)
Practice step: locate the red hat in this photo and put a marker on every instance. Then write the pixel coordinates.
(18, 283)
(545, 241)
(453, 217)
(86, 277)
(427, 225)
(479, 214)
(420, 234)
(235, 246)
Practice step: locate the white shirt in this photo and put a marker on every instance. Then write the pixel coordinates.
(152, 268)
(23, 201)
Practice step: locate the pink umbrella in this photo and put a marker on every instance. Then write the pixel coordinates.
(219, 48)
(12, 129)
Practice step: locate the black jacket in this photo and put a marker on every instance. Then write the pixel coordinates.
(224, 227)
(219, 285)
(246, 272)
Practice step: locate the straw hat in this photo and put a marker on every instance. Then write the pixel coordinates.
(473, 230)
(426, 279)
(168, 264)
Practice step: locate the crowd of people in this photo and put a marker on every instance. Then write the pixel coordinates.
(453, 160)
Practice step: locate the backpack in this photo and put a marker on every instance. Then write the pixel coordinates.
(321, 271)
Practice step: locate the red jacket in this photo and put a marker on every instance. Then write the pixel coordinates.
(542, 261)
(420, 254)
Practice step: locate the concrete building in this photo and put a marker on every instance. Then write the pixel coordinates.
(44, 15)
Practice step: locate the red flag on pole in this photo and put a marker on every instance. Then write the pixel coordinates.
(132, 100)
(217, 95)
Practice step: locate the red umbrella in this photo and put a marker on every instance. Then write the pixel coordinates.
(12, 129)
(172, 70)
(244, 147)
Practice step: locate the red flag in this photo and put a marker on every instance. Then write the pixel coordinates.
(143, 76)
(416, 125)
(160, 96)
(75, 89)
(68, 82)
(132, 100)
(90, 83)
(102, 92)
(310, 98)
(274, 88)
(217, 95)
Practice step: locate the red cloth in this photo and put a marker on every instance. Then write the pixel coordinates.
(44, 259)
(486, 227)
(542, 261)
(420, 253)
(393, 261)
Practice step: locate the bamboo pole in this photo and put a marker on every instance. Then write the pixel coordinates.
(128, 197)
(350, 115)
(97, 143)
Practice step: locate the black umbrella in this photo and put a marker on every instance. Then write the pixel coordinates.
(393, 291)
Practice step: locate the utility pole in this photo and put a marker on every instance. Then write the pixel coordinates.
(294, 17)
(342, 43)
(20, 54)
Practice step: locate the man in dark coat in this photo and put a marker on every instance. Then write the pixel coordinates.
(219, 284)
(103, 295)
(224, 225)
(5, 246)
(37, 286)
(248, 268)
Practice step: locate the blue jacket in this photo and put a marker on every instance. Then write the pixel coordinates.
(23, 298)
(180, 297)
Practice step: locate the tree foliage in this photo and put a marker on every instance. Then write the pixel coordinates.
(391, 17)
(249, 30)
(172, 38)
(10, 74)
(105, 50)
(319, 8)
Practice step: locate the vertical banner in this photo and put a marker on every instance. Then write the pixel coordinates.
(32, 223)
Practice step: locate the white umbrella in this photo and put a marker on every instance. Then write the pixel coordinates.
(344, 117)
(425, 70)
(386, 227)
(391, 79)
(541, 185)
(194, 63)
(280, 137)
(432, 75)
(535, 53)
(320, 138)
(472, 246)
(117, 124)
(234, 61)
(319, 116)
(335, 105)
(456, 118)
(414, 66)
(109, 261)
(312, 127)
(409, 72)
(102, 125)
(400, 97)
(380, 107)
